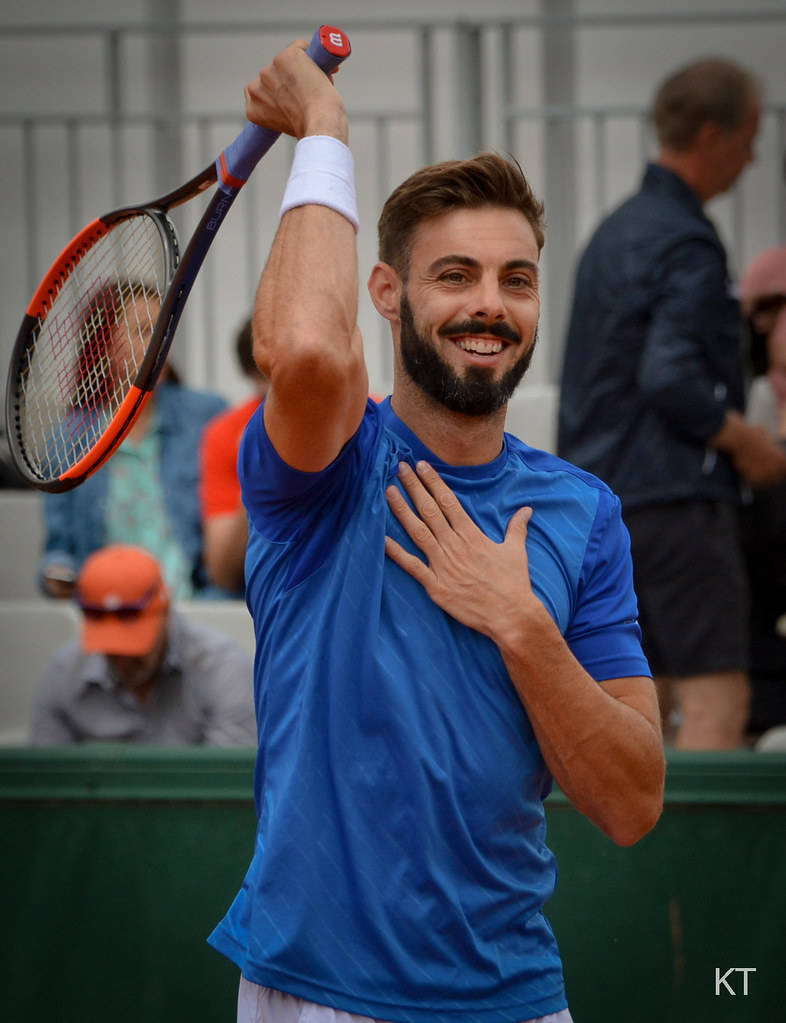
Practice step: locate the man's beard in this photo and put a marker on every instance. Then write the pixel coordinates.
(477, 393)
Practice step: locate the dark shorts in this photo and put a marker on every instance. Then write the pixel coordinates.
(691, 581)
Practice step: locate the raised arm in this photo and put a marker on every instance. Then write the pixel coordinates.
(306, 338)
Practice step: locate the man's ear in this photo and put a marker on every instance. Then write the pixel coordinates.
(385, 286)
(708, 134)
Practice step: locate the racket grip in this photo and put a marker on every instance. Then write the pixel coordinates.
(329, 46)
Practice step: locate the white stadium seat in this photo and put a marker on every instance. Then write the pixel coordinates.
(21, 542)
(30, 632)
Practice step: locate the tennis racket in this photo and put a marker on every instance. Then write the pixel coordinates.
(98, 329)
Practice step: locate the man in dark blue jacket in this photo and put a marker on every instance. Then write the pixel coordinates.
(652, 398)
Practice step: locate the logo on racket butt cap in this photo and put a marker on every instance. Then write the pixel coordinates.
(334, 42)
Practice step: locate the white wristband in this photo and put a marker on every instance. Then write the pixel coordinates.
(323, 173)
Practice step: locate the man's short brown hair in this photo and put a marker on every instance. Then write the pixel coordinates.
(709, 90)
(484, 180)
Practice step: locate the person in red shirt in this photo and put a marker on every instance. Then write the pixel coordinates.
(224, 524)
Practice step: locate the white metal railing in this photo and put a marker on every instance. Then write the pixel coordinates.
(165, 99)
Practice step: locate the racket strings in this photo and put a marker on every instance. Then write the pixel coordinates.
(88, 347)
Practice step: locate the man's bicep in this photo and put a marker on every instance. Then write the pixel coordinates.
(310, 416)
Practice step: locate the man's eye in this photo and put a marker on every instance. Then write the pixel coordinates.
(454, 277)
(518, 282)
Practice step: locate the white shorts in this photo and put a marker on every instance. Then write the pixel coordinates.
(257, 1004)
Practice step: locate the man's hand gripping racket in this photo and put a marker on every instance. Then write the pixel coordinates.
(98, 329)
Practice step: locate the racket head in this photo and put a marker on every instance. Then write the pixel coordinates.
(85, 358)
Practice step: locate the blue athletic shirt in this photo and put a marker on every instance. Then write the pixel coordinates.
(400, 867)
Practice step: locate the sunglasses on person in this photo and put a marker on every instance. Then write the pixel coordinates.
(124, 612)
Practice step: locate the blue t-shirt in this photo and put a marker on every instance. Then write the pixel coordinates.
(400, 867)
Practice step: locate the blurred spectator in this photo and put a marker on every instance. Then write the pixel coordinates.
(141, 672)
(223, 516)
(146, 494)
(653, 394)
(763, 298)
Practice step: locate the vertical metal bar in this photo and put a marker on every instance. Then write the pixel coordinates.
(492, 97)
(781, 188)
(559, 90)
(426, 78)
(382, 159)
(468, 90)
(29, 204)
(599, 155)
(506, 71)
(114, 110)
(72, 175)
(166, 92)
(382, 156)
(645, 129)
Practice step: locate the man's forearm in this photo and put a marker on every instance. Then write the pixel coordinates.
(306, 338)
(601, 741)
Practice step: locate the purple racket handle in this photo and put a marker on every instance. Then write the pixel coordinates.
(328, 48)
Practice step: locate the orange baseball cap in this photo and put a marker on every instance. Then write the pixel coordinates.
(123, 599)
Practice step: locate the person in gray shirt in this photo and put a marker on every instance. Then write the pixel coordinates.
(141, 672)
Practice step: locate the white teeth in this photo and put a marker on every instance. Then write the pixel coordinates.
(480, 347)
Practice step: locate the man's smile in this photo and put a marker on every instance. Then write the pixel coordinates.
(479, 345)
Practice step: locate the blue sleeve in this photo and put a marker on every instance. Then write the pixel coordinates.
(307, 509)
(604, 633)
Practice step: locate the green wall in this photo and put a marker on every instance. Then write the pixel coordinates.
(116, 863)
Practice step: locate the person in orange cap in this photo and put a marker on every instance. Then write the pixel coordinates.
(141, 672)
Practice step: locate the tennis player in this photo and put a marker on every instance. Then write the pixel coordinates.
(445, 618)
